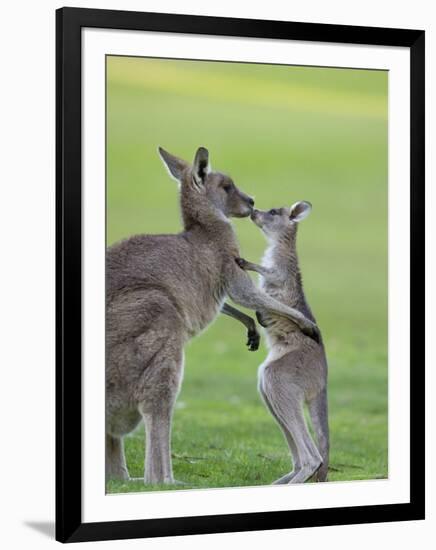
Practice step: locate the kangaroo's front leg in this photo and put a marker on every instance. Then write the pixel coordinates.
(252, 332)
(242, 290)
(266, 272)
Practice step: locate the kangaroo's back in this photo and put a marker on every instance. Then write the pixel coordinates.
(184, 270)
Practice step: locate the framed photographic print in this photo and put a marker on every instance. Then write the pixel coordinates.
(240, 274)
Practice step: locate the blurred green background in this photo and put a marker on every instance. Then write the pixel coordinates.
(284, 134)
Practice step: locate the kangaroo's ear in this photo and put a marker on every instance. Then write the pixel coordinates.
(201, 166)
(299, 211)
(174, 165)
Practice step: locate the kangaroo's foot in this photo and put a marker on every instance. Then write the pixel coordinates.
(163, 482)
(121, 475)
(284, 480)
(171, 481)
(116, 467)
(306, 472)
(320, 478)
(322, 473)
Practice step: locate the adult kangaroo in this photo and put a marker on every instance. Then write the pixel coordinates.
(161, 291)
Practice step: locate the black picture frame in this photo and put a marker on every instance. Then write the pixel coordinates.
(69, 22)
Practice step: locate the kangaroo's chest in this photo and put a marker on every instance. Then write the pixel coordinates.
(207, 293)
(282, 291)
(280, 331)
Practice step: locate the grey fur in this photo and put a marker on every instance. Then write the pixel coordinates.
(162, 290)
(253, 336)
(295, 371)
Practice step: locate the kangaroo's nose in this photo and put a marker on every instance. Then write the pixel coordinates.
(251, 201)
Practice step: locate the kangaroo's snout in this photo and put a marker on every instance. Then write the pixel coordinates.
(250, 203)
(240, 205)
(255, 217)
(247, 199)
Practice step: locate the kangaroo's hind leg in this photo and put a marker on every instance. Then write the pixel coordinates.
(310, 457)
(158, 467)
(160, 385)
(116, 467)
(292, 447)
(319, 416)
(287, 400)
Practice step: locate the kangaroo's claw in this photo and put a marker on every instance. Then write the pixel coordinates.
(260, 319)
(253, 340)
(241, 262)
(312, 331)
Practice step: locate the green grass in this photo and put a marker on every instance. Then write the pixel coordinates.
(284, 134)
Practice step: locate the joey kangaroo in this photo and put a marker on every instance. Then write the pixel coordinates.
(161, 291)
(295, 370)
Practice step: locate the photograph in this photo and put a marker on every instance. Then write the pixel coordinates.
(246, 332)
(216, 307)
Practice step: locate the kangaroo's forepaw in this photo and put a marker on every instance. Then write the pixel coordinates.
(312, 331)
(261, 320)
(253, 340)
(241, 262)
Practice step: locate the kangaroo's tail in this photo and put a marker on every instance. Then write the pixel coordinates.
(318, 409)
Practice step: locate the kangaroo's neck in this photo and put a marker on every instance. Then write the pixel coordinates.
(203, 221)
(281, 255)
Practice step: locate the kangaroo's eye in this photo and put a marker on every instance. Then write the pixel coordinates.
(273, 212)
(227, 187)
